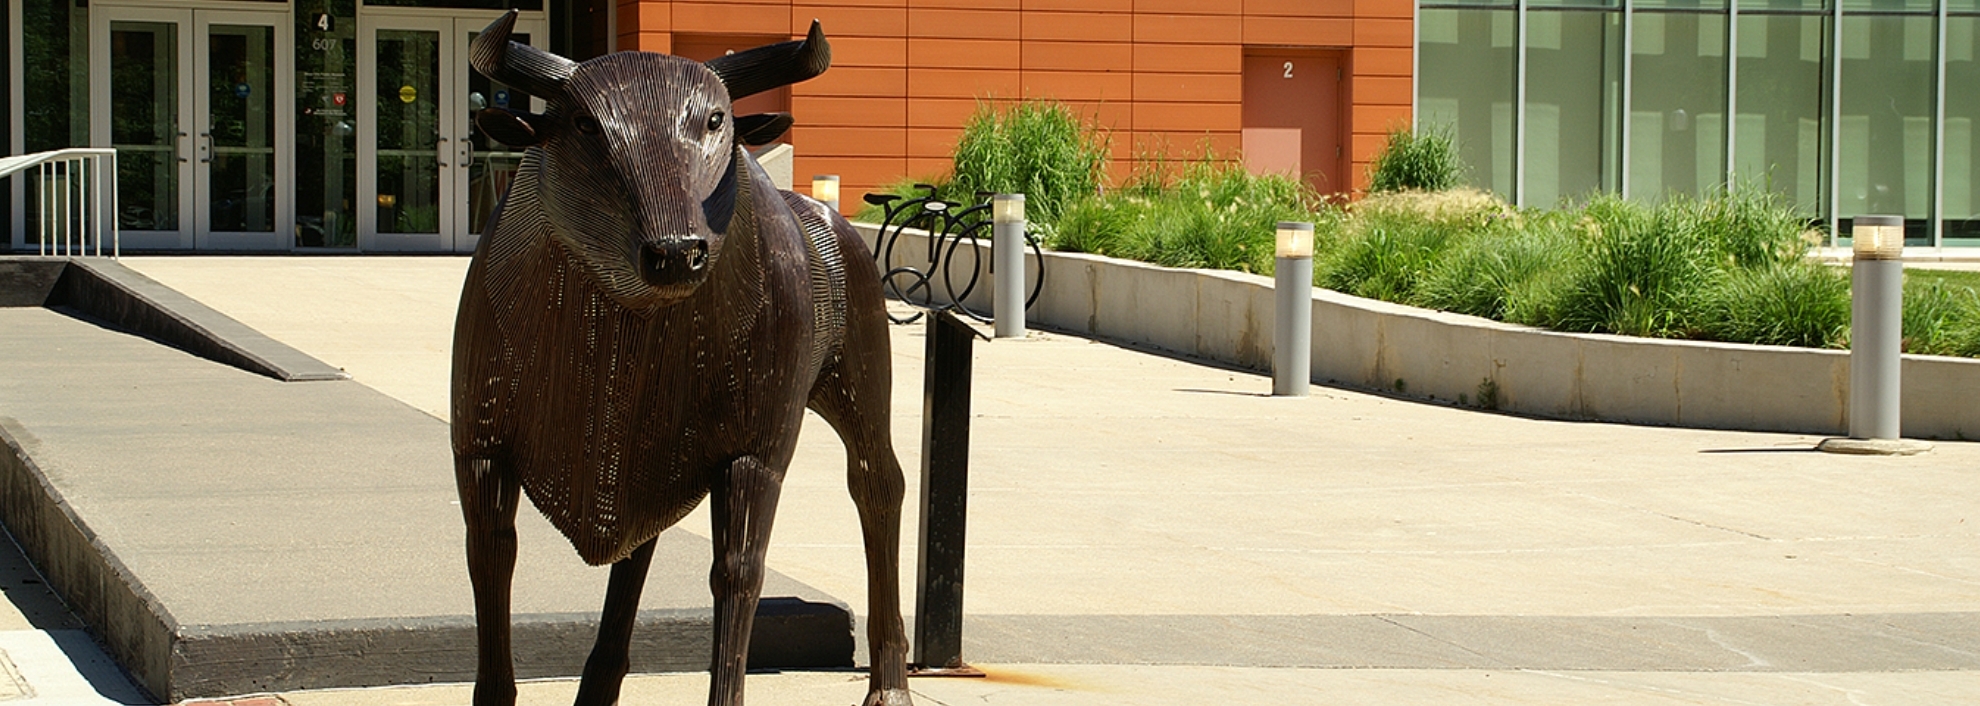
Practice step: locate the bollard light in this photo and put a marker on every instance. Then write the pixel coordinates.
(1292, 330)
(1007, 262)
(825, 188)
(1876, 297)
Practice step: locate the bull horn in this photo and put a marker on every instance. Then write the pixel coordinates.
(754, 71)
(537, 72)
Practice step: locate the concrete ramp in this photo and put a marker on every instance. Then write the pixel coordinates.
(224, 531)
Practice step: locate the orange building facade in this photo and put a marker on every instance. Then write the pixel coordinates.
(1311, 86)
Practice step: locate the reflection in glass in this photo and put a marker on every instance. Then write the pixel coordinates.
(492, 164)
(326, 126)
(1885, 143)
(1468, 74)
(1677, 120)
(55, 87)
(1962, 149)
(1573, 88)
(144, 123)
(1780, 123)
(241, 106)
(408, 198)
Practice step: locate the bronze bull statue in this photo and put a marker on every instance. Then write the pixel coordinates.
(643, 324)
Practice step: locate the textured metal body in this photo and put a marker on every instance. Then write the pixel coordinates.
(642, 327)
(1292, 327)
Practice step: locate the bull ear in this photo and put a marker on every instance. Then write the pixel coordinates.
(720, 206)
(513, 128)
(753, 71)
(761, 128)
(537, 72)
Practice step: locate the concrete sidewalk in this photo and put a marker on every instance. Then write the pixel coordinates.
(1145, 529)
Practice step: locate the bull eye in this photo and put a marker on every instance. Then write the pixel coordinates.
(586, 124)
(715, 121)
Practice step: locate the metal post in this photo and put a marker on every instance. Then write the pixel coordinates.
(825, 188)
(938, 602)
(1876, 275)
(1292, 330)
(1007, 246)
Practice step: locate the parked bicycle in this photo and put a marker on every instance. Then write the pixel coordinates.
(957, 253)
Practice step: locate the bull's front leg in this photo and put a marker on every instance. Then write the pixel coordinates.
(606, 670)
(743, 502)
(489, 492)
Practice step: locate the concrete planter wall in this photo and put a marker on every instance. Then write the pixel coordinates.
(1227, 317)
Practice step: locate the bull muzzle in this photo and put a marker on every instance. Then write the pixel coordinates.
(674, 262)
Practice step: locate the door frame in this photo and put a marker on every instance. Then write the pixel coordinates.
(454, 27)
(193, 22)
(282, 235)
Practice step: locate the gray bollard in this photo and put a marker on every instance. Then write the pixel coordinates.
(1876, 318)
(1007, 253)
(825, 188)
(1876, 276)
(1292, 330)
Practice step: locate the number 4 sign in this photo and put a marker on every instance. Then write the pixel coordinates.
(321, 22)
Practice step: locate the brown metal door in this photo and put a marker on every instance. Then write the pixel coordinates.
(702, 47)
(1292, 115)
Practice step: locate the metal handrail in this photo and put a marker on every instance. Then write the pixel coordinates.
(75, 213)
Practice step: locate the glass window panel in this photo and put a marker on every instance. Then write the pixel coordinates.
(1677, 105)
(1800, 5)
(408, 145)
(241, 104)
(54, 86)
(326, 133)
(144, 123)
(1962, 141)
(1908, 6)
(1780, 118)
(1885, 139)
(1681, 4)
(1590, 4)
(1466, 84)
(1573, 85)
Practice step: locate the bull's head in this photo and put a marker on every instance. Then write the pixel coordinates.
(639, 151)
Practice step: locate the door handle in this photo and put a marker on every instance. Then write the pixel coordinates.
(440, 151)
(467, 153)
(179, 148)
(206, 148)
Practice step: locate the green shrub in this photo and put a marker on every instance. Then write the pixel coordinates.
(1424, 159)
(1485, 274)
(1395, 238)
(1640, 275)
(1796, 303)
(1208, 214)
(1041, 149)
(1940, 318)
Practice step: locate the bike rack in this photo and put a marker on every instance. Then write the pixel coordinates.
(948, 225)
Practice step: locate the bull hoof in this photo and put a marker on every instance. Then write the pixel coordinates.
(887, 697)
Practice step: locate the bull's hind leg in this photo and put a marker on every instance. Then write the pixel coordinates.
(855, 401)
(610, 658)
(489, 493)
(744, 503)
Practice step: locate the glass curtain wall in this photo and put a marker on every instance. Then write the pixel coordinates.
(1838, 109)
(54, 86)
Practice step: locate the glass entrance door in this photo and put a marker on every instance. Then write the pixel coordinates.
(427, 178)
(192, 101)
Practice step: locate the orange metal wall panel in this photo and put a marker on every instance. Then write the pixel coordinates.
(1384, 32)
(857, 175)
(940, 112)
(1189, 7)
(851, 21)
(850, 141)
(731, 18)
(1117, 6)
(1189, 58)
(1383, 61)
(856, 81)
(1188, 29)
(918, 168)
(962, 53)
(878, 52)
(1299, 31)
(1392, 9)
(928, 142)
(1186, 117)
(1379, 118)
(1183, 145)
(849, 112)
(963, 24)
(1077, 56)
(1299, 8)
(1079, 85)
(1077, 27)
(1382, 90)
(962, 83)
(1188, 88)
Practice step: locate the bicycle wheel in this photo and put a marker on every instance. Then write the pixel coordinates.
(911, 287)
(964, 266)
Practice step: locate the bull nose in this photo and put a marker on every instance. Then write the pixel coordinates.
(673, 262)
